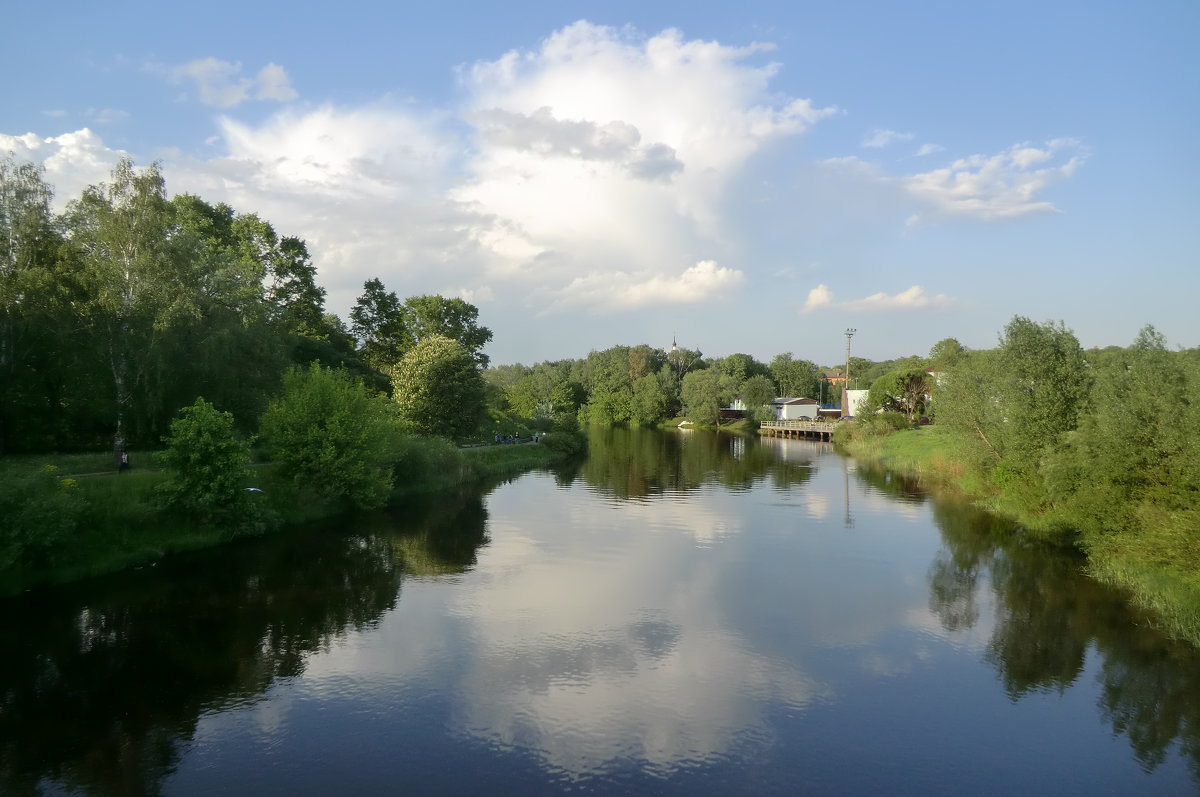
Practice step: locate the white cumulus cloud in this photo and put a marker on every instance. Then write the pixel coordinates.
(603, 150)
(622, 290)
(1005, 185)
(72, 161)
(818, 297)
(1000, 186)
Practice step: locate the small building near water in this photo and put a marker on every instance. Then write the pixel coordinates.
(795, 409)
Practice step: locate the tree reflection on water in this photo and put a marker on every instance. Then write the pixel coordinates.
(1049, 614)
(104, 682)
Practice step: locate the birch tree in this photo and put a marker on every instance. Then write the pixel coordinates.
(133, 271)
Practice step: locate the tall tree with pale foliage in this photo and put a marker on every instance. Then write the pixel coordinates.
(439, 390)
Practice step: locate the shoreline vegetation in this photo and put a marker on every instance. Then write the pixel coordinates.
(120, 522)
(1157, 576)
(136, 319)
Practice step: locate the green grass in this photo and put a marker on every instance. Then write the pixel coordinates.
(123, 527)
(76, 464)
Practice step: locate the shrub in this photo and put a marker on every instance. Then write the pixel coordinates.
(330, 435)
(38, 511)
(205, 465)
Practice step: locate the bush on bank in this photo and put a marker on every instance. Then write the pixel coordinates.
(54, 530)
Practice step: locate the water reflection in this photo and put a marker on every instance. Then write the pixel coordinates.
(680, 613)
(1049, 617)
(639, 463)
(103, 682)
(637, 660)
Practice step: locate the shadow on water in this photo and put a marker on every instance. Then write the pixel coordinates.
(102, 684)
(1049, 615)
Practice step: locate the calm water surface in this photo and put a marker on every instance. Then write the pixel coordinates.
(679, 614)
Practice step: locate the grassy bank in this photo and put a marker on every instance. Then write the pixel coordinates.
(744, 426)
(1159, 565)
(116, 522)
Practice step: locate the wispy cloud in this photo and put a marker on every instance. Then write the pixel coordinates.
(222, 85)
(914, 298)
(106, 116)
(879, 138)
(929, 149)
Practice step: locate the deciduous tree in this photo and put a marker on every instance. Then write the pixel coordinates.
(378, 320)
(438, 389)
(456, 319)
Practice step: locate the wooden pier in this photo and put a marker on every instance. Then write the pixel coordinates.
(813, 430)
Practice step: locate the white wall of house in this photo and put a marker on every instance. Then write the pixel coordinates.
(854, 398)
(796, 412)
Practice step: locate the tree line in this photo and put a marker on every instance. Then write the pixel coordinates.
(129, 305)
(643, 385)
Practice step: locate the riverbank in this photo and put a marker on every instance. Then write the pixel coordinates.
(115, 522)
(740, 427)
(1159, 566)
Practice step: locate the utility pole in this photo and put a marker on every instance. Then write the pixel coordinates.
(846, 385)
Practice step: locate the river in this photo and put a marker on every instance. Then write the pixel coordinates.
(681, 613)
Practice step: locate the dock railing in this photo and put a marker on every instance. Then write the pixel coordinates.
(822, 429)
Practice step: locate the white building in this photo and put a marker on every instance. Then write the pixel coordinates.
(795, 409)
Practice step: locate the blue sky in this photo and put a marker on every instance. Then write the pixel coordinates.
(749, 177)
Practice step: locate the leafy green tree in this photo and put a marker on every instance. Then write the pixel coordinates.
(438, 389)
(945, 354)
(650, 401)
(1046, 383)
(682, 361)
(605, 378)
(429, 316)
(229, 349)
(378, 320)
(38, 513)
(29, 322)
(758, 391)
(137, 283)
(205, 464)
(329, 434)
(704, 395)
(1133, 463)
(297, 301)
(544, 392)
(1020, 398)
(645, 360)
(795, 378)
(740, 367)
(906, 390)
